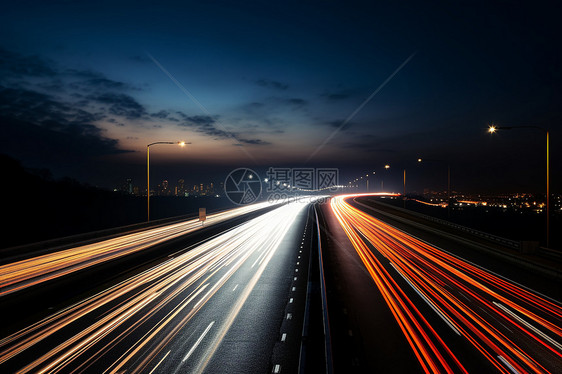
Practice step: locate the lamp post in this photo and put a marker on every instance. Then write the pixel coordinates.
(404, 195)
(492, 129)
(367, 175)
(181, 144)
(386, 167)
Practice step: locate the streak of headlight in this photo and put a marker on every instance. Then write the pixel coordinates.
(160, 302)
(286, 220)
(21, 274)
(440, 278)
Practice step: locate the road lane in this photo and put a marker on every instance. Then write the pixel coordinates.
(511, 327)
(176, 315)
(17, 276)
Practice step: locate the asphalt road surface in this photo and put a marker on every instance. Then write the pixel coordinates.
(401, 304)
(234, 303)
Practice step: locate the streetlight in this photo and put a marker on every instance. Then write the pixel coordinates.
(492, 129)
(404, 196)
(181, 144)
(367, 175)
(386, 167)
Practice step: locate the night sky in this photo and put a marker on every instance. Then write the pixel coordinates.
(85, 86)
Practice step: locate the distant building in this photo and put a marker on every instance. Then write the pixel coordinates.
(180, 188)
(164, 189)
(126, 187)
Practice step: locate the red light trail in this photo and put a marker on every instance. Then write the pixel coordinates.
(511, 326)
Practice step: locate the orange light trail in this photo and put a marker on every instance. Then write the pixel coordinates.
(512, 327)
(153, 307)
(25, 273)
(442, 204)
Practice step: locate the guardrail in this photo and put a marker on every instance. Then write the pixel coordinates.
(550, 269)
(327, 335)
(88, 237)
(507, 242)
(540, 251)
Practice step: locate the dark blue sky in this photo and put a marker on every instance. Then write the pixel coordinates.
(84, 86)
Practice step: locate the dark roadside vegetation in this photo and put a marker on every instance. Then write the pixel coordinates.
(36, 207)
(518, 226)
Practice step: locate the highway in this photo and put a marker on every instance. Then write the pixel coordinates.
(441, 312)
(28, 272)
(233, 303)
(244, 297)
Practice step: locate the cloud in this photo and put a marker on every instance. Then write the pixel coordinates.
(51, 99)
(340, 95)
(14, 65)
(163, 114)
(31, 105)
(19, 68)
(210, 126)
(198, 120)
(272, 84)
(93, 81)
(29, 85)
(42, 117)
(73, 143)
(99, 84)
(339, 122)
(120, 104)
(254, 141)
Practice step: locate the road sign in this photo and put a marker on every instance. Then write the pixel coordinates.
(202, 214)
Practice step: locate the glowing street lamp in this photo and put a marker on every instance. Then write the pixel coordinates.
(492, 129)
(386, 167)
(181, 144)
(367, 175)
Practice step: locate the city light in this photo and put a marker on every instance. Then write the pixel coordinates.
(181, 144)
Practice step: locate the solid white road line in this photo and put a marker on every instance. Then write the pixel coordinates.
(198, 341)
